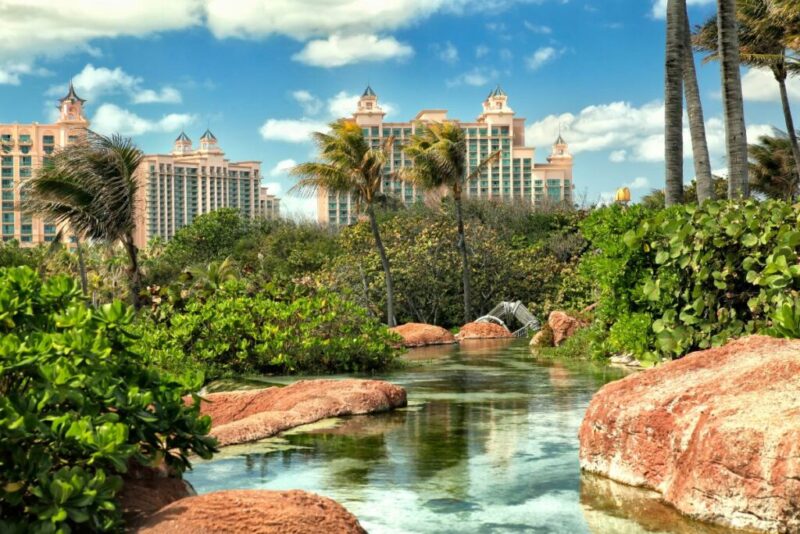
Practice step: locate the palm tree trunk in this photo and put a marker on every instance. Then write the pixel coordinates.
(387, 272)
(81, 266)
(787, 116)
(732, 101)
(462, 248)
(134, 275)
(697, 127)
(673, 104)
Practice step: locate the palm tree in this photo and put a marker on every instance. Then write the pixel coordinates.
(349, 165)
(773, 170)
(673, 103)
(439, 153)
(90, 187)
(764, 36)
(694, 108)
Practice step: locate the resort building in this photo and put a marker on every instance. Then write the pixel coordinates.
(514, 178)
(189, 182)
(23, 149)
(174, 188)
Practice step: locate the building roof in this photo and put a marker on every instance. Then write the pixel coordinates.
(369, 92)
(183, 137)
(208, 135)
(560, 140)
(71, 94)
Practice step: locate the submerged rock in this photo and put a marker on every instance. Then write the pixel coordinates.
(563, 326)
(716, 433)
(253, 512)
(241, 416)
(483, 331)
(421, 334)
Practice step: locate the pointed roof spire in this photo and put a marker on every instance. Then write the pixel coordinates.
(498, 91)
(183, 137)
(369, 92)
(71, 95)
(208, 135)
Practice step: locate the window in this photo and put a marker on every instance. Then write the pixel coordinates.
(48, 140)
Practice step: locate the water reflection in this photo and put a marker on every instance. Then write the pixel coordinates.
(488, 444)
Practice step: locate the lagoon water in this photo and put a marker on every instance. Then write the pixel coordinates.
(488, 444)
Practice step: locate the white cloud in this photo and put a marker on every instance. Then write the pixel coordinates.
(12, 72)
(476, 77)
(759, 85)
(291, 130)
(93, 82)
(310, 103)
(338, 50)
(344, 104)
(110, 118)
(481, 51)
(618, 156)
(282, 168)
(542, 56)
(538, 28)
(447, 52)
(659, 10)
(639, 182)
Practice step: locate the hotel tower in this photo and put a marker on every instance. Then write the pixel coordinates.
(515, 177)
(174, 188)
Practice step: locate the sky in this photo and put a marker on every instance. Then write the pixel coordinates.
(263, 74)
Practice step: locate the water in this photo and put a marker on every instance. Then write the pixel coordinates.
(488, 444)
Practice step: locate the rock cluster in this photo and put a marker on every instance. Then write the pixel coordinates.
(716, 433)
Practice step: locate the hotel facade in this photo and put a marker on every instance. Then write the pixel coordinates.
(514, 178)
(174, 188)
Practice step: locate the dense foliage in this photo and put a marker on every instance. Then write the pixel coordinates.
(77, 406)
(692, 277)
(235, 329)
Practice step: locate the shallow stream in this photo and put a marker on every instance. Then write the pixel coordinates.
(488, 444)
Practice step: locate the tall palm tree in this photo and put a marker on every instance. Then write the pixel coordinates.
(694, 108)
(732, 100)
(673, 103)
(439, 153)
(349, 165)
(764, 36)
(90, 186)
(773, 170)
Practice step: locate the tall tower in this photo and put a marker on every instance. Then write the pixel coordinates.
(560, 154)
(71, 108)
(368, 112)
(183, 145)
(208, 143)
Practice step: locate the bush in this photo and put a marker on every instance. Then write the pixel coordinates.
(239, 331)
(76, 406)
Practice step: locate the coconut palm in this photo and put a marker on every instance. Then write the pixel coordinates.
(773, 170)
(764, 38)
(694, 108)
(349, 165)
(439, 153)
(90, 187)
(673, 103)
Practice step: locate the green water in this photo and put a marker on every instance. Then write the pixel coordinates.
(488, 444)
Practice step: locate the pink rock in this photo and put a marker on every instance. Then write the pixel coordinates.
(716, 433)
(563, 326)
(483, 331)
(420, 334)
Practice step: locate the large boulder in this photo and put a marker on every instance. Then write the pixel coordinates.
(241, 416)
(254, 512)
(563, 326)
(421, 335)
(716, 433)
(483, 331)
(147, 489)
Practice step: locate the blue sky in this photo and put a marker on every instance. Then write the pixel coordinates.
(263, 73)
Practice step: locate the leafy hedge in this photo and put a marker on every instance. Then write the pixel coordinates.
(237, 330)
(692, 277)
(76, 406)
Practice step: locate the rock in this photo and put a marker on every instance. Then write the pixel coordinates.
(241, 416)
(625, 360)
(254, 512)
(563, 326)
(716, 433)
(542, 338)
(483, 331)
(146, 489)
(420, 334)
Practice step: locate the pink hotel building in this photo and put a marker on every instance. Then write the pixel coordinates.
(516, 177)
(175, 188)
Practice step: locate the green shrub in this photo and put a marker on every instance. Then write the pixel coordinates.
(632, 334)
(76, 406)
(240, 331)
